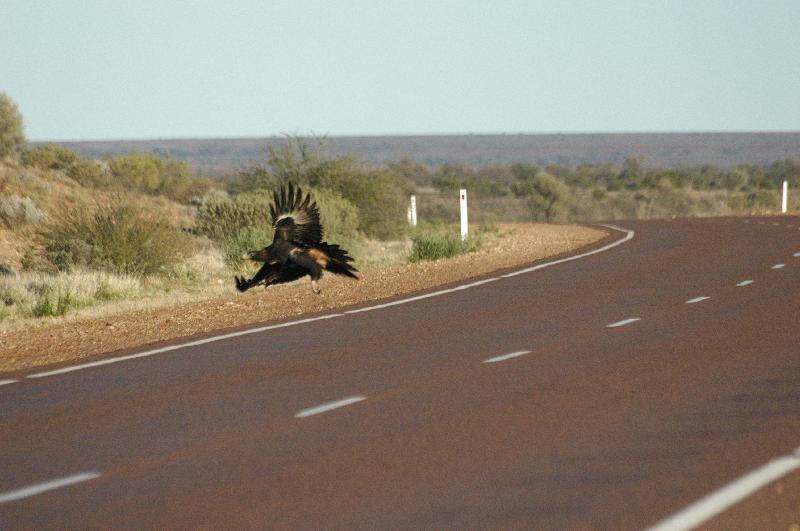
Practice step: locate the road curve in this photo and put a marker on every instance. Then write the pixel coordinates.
(618, 390)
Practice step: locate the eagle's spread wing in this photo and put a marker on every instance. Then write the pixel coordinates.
(272, 274)
(295, 218)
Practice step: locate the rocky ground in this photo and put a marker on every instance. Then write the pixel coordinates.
(76, 339)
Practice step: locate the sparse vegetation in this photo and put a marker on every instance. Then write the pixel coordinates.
(79, 233)
(38, 294)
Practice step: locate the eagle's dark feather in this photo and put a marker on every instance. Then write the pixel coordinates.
(294, 218)
(297, 248)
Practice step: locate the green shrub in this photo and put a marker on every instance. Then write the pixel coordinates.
(48, 306)
(50, 157)
(54, 157)
(106, 292)
(12, 130)
(220, 218)
(90, 174)
(436, 245)
(157, 176)
(119, 238)
(242, 223)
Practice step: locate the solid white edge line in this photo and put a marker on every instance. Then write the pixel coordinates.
(507, 356)
(6, 382)
(33, 490)
(176, 347)
(328, 406)
(624, 322)
(697, 299)
(424, 296)
(723, 498)
(744, 283)
(778, 266)
(628, 236)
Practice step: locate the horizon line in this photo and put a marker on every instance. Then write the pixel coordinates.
(312, 135)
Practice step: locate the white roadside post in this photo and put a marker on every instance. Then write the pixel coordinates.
(464, 225)
(412, 215)
(785, 201)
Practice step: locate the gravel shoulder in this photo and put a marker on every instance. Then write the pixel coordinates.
(78, 339)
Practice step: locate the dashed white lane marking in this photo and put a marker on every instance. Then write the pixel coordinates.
(176, 347)
(328, 406)
(6, 382)
(505, 357)
(796, 255)
(623, 322)
(39, 488)
(697, 299)
(778, 266)
(720, 500)
(744, 283)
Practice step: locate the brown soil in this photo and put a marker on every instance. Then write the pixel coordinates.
(521, 244)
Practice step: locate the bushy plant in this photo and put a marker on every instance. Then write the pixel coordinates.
(436, 245)
(16, 211)
(55, 305)
(157, 176)
(50, 157)
(119, 238)
(221, 217)
(55, 157)
(12, 134)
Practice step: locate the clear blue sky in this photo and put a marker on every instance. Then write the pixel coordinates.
(88, 69)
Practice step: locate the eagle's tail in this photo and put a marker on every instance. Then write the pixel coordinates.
(338, 260)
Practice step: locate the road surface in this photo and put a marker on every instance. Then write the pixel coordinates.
(653, 380)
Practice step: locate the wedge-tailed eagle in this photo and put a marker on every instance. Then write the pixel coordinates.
(297, 248)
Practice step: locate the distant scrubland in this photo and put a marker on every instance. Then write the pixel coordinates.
(131, 229)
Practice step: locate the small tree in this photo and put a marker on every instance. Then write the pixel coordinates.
(12, 136)
(545, 194)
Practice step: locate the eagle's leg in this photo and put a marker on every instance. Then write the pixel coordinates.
(304, 260)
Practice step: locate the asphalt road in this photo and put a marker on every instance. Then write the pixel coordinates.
(613, 391)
